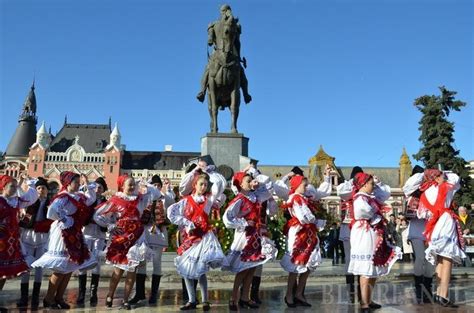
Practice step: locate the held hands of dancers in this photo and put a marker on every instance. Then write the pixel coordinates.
(66, 222)
(113, 229)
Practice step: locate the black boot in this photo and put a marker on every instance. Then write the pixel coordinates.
(23, 302)
(35, 295)
(255, 288)
(82, 289)
(418, 289)
(94, 286)
(428, 290)
(350, 285)
(139, 289)
(359, 292)
(185, 292)
(155, 285)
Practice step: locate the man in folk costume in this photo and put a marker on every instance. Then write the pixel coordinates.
(344, 191)
(34, 238)
(443, 233)
(423, 270)
(372, 255)
(249, 248)
(12, 201)
(303, 254)
(95, 237)
(121, 214)
(67, 251)
(154, 219)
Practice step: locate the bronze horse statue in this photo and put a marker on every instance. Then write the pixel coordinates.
(224, 73)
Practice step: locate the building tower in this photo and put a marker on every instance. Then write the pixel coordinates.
(25, 133)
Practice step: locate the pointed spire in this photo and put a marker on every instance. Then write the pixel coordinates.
(29, 106)
(115, 138)
(50, 130)
(42, 137)
(115, 131)
(65, 120)
(110, 122)
(42, 129)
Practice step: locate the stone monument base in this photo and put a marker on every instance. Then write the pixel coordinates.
(226, 149)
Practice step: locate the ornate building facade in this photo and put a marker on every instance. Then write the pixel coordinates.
(91, 149)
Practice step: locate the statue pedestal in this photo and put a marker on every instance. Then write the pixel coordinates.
(226, 149)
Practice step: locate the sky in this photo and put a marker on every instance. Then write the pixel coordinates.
(341, 74)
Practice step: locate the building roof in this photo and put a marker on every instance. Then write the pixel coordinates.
(388, 175)
(92, 137)
(153, 160)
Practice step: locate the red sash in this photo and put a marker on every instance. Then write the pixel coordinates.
(347, 210)
(439, 209)
(306, 238)
(129, 222)
(12, 263)
(383, 253)
(73, 237)
(249, 210)
(195, 213)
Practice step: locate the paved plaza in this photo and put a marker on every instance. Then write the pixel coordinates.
(326, 290)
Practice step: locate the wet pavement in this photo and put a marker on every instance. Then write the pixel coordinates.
(325, 294)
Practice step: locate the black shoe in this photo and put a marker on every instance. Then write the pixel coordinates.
(62, 305)
(255, 289)
(109, 301)
(47, 304)
(206, 306)
(302, 303)
(94, 287)
(374, 306)
(247, 98)
(82, 279)
(248, 304)
(446, 303)
(139, 289)
(200, 96)
(290, 305)
(35, 296)
(126, 306)
(233, 306)
(23, 302)
(188, 306)
(155, 285)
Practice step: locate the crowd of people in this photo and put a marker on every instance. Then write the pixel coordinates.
(69, 233)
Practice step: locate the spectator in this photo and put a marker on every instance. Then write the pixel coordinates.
(333, 241)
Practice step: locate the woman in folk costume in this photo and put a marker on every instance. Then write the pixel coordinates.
(423, 270)
(372, 255)
(303, 254)
(12, 200)
(199, 250)
(249, 248)
(344, 191)
(67, 250)
(121, 214)
(95, 237)
(443, 232)
(34, 238)
(186, 189)
(154, 219)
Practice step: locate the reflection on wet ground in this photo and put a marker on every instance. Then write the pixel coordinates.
(326, 295)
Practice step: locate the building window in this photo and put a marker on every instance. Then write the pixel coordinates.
(111, 169)
(36, 167)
